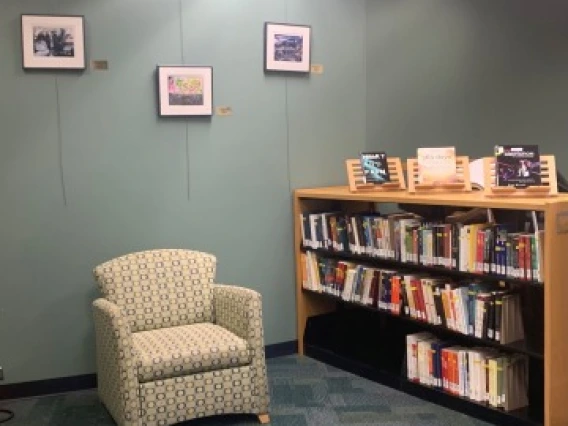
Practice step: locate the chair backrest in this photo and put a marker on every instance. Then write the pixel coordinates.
(160, 288)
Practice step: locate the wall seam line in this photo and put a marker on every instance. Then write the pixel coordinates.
(287, 116)
(60, 142)
(187, 150)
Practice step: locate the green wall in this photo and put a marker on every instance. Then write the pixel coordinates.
(88, 172)
(467, 73)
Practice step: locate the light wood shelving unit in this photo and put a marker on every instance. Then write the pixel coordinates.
(555, 288)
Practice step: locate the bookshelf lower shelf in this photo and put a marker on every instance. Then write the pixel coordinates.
(352, 340)
(394, 380)
(466, 406)
(385, 377)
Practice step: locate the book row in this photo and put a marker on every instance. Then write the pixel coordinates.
(480, 374)
(482, 248)
(480, 309)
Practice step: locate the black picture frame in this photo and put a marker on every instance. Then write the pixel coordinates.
(287, 47)
(53, 42)
(177, 86)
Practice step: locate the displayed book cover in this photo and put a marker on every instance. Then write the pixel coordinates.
(375, 167)
(517, 165)
(437, 165)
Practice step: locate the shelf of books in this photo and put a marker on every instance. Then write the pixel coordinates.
(456, 298)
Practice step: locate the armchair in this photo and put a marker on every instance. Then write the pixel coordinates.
(171, 345)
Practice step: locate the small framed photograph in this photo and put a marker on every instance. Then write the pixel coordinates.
(53, 42)
(185, 91)
(287, 47)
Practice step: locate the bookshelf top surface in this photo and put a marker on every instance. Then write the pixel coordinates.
(473, 199)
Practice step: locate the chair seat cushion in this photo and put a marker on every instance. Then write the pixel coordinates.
(187, 349)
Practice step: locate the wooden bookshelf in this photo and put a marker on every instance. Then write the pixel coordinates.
(552, 387)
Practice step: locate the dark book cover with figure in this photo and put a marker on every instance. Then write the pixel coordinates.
(517, 165)
(374, 167)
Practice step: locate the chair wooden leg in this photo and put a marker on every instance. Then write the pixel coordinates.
(264, 419)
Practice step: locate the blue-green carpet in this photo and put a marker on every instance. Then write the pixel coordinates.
(304, 392)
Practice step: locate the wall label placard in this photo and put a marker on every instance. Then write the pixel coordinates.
(224, 111)
(317, 69)
(100, 65)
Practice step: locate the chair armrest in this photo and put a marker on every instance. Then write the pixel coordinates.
(116, 363)
(239, 310)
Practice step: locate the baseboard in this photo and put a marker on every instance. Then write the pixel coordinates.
(89, 381)
(281, 349)
(48, 386)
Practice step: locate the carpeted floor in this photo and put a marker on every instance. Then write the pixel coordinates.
(304, 393)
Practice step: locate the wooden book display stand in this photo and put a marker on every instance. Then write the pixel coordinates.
(462, 170)
(547, 188)
(357, 183)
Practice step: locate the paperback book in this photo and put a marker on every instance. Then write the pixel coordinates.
(517, 165)
(375, 168)
(437, 165)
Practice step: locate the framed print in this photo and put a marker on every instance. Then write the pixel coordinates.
(287, 47)
(53, 42)
(185, 90)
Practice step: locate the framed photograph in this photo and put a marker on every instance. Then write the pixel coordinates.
(287, 47)
(185, 91)
(53, 42)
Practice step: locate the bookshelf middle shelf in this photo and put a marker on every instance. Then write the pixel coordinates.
(534, 349)
(392, 263)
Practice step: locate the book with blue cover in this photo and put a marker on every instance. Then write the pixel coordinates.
(375, 168)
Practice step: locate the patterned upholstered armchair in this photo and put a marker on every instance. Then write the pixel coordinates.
(172, 345)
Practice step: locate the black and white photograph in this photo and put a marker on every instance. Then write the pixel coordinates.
(287, 47)
(53, 42)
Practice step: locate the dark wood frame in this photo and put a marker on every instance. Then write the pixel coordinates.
(159, 106)
(265, 55)
(82, 40)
